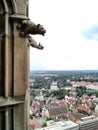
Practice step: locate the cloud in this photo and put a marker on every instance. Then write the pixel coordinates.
(91, 32)
(71, 40)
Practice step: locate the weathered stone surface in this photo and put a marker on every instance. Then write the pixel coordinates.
(14, 62)
(22, 6)
(14, 67)
(20, 64)
(19, 119)
(8, 67)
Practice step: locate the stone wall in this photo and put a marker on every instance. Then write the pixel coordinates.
(14, 65)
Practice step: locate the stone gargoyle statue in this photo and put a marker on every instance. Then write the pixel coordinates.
(27, 27)
(33, 43)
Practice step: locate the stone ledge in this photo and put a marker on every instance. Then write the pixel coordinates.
(19, 17)
(9, 102)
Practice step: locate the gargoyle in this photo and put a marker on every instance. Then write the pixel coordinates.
(28, 27)
(33, 43)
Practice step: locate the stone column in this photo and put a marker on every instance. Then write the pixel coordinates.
(14, 66)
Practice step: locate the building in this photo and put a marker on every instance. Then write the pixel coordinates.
(83, 109)
(56, 112)
(54, 86)
(14, 56)
(15, 39)
(61, 125)
(93, 86)
(88, 123)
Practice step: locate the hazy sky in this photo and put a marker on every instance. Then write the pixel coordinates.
(71, 40)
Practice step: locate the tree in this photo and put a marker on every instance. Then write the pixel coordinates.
(49, 118)
(96, 93)
(44, 124)
(60, 94)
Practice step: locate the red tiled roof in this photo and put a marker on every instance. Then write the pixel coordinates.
(83, 108)
(62, 103)
(59, 110)
(95, 114)
(83, 83)
(32, 123)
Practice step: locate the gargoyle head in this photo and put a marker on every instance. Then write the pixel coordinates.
(40, 29)
(40, 46)
(28, 27)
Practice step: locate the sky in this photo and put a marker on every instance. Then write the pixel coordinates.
(71, 39)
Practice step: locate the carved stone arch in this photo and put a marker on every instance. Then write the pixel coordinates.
(4, 5)
(3, 9)
(9, 5)
(14, 6)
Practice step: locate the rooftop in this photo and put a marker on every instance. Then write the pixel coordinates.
(61, 125)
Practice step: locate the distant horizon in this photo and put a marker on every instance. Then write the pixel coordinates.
(67, 70)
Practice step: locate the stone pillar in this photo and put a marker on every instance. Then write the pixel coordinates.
(15, 39)
(14, 65)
